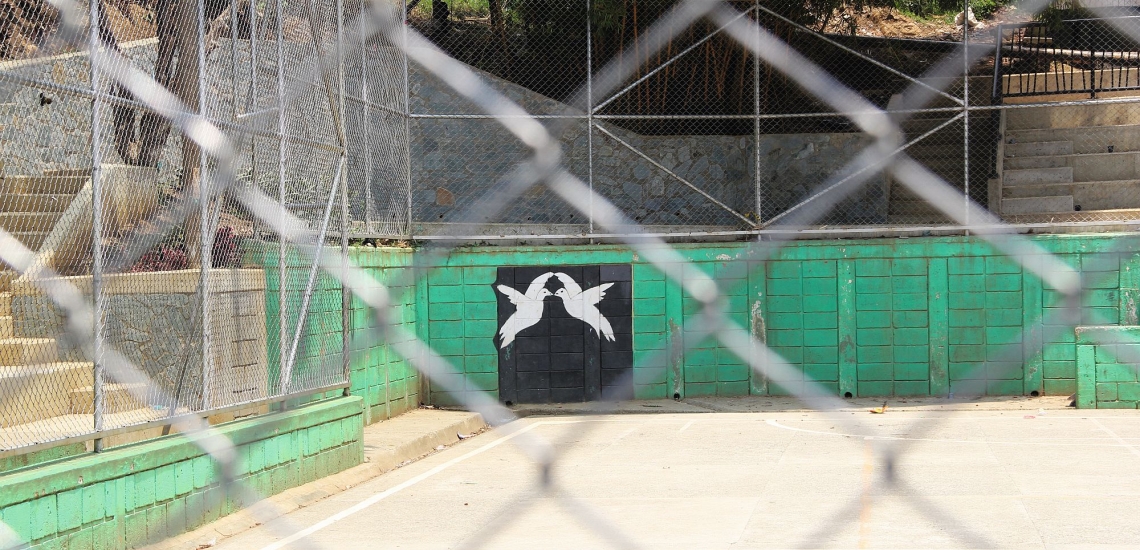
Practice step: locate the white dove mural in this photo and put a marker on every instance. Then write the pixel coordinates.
(583, 304)
(528, 307)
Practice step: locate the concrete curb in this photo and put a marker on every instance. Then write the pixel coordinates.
(387, 446)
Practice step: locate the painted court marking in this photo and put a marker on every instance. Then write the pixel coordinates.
(1120, 440)
(368, 502)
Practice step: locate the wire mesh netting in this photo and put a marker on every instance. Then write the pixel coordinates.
(181, 181)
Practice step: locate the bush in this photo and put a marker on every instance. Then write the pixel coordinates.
(171, 254)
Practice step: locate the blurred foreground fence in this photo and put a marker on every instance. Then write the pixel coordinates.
(182, 182)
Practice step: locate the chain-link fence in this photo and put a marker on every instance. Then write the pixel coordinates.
(181, 181)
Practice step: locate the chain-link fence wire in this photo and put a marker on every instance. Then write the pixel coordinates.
(271, 209)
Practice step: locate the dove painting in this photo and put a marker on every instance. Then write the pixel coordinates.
(575, 348)
(583, 304)
(529, 308)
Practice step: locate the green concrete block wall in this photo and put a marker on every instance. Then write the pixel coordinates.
(1107, 367)
(142, 493)
(389, 384)
(913, 317)
(385, 380)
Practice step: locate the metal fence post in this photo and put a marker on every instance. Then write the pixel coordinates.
(282, 272)
(97, 390)
(590, 110)
(345, 296)
(407, 118)
(206, 243)
(756, 121)
(966, 109)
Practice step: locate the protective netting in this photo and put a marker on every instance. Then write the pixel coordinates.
(181, 181)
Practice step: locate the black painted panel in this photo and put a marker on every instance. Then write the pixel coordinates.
(561, 358)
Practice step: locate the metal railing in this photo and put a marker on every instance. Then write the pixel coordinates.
(1075, 56)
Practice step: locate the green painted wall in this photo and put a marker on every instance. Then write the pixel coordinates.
(388, 384)
(906, 317)
(1106, 367)
(145, 492)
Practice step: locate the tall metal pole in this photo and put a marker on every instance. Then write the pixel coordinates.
(98, 403)
(206, 242)
(966, 109)
(590, 109)
(282, 267)
(407, 121)
(254, 66)
(345, 295)
(366, 128)
(756, 120)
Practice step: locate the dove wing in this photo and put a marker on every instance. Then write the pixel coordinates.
(594, 295)
(537, 285)
(515, 296)
(572, 287)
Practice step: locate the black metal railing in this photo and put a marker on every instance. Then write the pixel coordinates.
(1076, 56)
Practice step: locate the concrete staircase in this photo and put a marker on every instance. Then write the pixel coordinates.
(942, 152)
(42, 398)
(1070, 163)
(30, 206)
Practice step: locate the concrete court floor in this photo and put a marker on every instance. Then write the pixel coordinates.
(974, 478)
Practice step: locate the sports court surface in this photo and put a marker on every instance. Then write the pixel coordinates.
(969, 478)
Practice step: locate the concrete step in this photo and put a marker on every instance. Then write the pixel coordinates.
(1106, 195)
(1086, 167)
(1107, 217)
(1024, 163)
(1035, 176)
(1089, 195)
(29, 221)
(1037, 205)
(69, 172)
(1037, 148)
(1086, 139)
(43, 185)
(24, 202)
(27, 351)
(40, 391)
(117, 398)
(1071, 116)
(6, 278)
(32, 239)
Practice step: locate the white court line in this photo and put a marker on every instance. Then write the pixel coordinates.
(1116, 437)
(685, 427)
(381, 496)
(776, 423)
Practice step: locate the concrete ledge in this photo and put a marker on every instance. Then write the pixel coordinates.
(1108, 367)
(146, 492)
(184, 281)
(387, 446)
